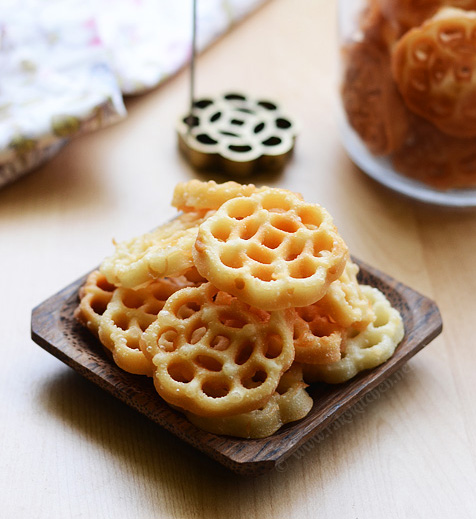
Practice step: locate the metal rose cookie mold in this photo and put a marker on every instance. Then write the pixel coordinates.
(237, 135)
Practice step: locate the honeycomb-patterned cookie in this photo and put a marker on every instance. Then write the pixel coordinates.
(166, 251)
(272, 250)
(317, 340)
(406, 14)
(216, 356)
(434, 66)
(371, 101)
(237, 135)
(94, 296)
(192, 277)
(289, 403)
(365, 349)
(195, 195)
(376, 28)
(437, 159)
(344, 301)
(128, 315)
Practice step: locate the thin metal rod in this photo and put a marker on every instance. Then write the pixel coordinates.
(192, 62)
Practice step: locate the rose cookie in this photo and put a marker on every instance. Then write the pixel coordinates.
(216, 356)
(434, 66)
(376, 28)
(406, 14)
(344, 301)
(272, 250)
(365, 349)
(94, 296)
(372, 104)
(437, 159)
(317, 340)
(128, 315)
(289, 403)
(198, 196)
(166, 251)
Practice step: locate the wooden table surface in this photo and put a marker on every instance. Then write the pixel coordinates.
(70, 450)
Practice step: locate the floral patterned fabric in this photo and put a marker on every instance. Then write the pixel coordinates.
(65, 65)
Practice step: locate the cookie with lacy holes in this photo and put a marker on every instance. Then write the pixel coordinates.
(272, 250)
(214, 355)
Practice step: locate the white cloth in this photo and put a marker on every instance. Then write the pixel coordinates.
(65, 65)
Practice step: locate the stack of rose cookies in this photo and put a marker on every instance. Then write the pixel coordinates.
(237, 304)
(409, 87)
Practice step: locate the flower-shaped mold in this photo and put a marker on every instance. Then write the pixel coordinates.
(237, 135)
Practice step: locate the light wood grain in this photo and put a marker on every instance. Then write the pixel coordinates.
(71, 450)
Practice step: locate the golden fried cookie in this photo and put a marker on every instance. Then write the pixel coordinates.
(128, 315)
(434, 66)
(467, 5)
(166, 251)
(94, 297)
(192, 277)
(376, 28)
(408, 13)
(371, 101)
(317, 340)
(272, 250)
(365, 349)
(437, 159)
(216, 356)
(344, 301)
(289, 403)
(195, 195)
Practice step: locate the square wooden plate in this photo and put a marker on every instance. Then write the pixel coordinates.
(54, 328)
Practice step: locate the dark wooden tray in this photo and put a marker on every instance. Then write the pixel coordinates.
(54, 328)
